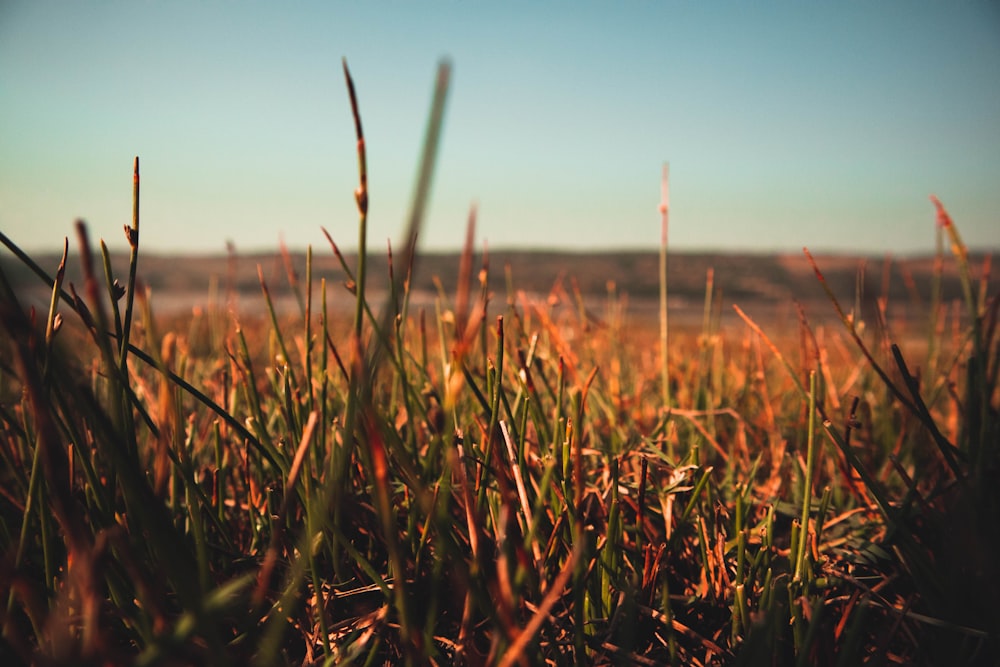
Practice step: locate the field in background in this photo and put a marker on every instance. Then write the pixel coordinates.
(765, 285)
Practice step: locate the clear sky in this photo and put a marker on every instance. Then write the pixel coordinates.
(825, 124)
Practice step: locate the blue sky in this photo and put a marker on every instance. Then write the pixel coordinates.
(786, 124)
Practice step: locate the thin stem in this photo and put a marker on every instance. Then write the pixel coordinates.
(664, 329)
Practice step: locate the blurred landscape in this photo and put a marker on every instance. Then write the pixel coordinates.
(766, 285)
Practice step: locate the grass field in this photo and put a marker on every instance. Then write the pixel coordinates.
(490, 478)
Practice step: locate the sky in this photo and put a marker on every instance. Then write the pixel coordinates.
(785, 124)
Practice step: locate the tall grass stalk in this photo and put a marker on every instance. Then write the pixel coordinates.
(807, 481)
(664, 321)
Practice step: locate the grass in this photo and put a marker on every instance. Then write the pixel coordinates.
(497, 481)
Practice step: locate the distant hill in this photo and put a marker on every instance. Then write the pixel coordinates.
(746, 279)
